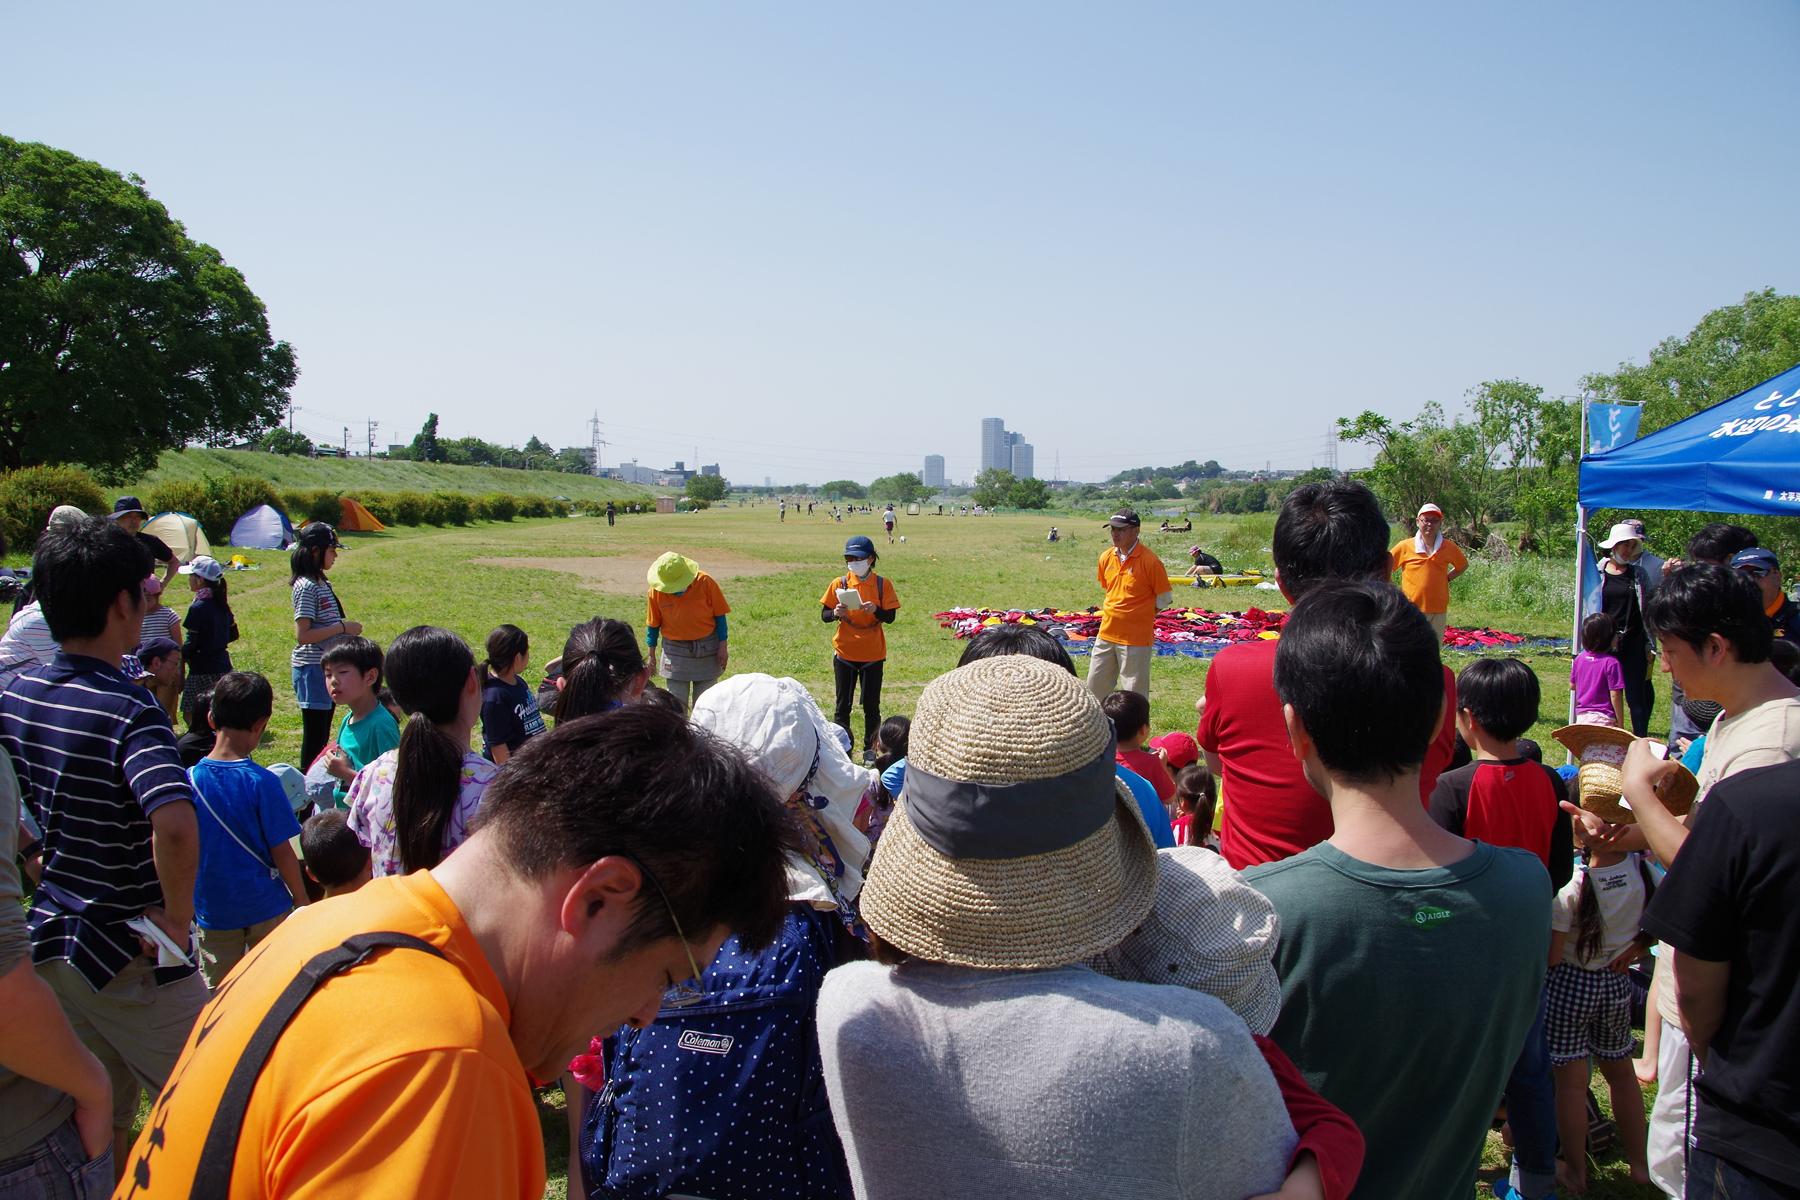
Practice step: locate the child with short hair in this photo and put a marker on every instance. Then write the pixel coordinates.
(1196, 804)
(1129, 713)
(199, 740)
(333, 857)
(249, 879)
(352, 666)
(1596, 677)
(1589, 1008)
(509, 709)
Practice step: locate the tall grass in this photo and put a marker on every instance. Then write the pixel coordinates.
(1508, 586)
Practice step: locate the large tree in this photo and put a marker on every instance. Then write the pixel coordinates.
(993, 487)
(711, 488)
(903, 488)
(120, 337)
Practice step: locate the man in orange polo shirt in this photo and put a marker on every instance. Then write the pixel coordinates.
(1137, 587)
(1427, 563)
(609, 861)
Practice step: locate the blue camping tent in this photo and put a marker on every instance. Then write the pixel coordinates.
(1742, 455)
(262, 528)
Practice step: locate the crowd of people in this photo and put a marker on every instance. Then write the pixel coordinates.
(1019, 945)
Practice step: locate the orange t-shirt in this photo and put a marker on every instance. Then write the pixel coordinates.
(859, 636)
(1128, 618)
(1425, 577)
(397, 1078)
(689, 616)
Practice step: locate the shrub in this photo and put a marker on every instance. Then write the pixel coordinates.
(314, 505)
(496, 506)
(379, 504)
(216, 502)
(28, 494)
(409, 508)
(536, 506)
(457, 507)
(177, 495)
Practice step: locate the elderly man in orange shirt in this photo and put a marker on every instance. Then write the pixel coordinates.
(1427, 562)
(1137, 586)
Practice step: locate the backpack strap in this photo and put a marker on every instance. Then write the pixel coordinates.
(212, 1179)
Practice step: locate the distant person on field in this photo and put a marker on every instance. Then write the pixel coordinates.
(129, 512)
(352, 666)
(685, 612)
(887, 520)
(1596, 677)
(612, 512)
(1327, 530)
(331, 854)
(509, 709)
(858, 642)
(249, 877)
(1392, 897)
(1203, 563)
(318, 617)
(1427, 562)
(1137, 588)
(121, 840)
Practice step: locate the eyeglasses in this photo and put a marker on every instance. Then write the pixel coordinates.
(688, 991)
(1756, 572)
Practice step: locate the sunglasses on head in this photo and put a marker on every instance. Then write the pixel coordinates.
(1756, 571)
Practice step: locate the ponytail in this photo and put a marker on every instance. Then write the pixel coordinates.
(220, 593)
(427, 668)
(504, 646)
(598, 661)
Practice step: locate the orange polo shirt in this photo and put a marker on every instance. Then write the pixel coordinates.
(398, 1077)
(689, 616)
(1425, 577)
(1128, 618)
(861, 637)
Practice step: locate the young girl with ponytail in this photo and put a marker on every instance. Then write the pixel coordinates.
(509, 710)
(412, 806)
(602, 668)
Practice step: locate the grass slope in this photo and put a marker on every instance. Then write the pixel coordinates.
(382, 475)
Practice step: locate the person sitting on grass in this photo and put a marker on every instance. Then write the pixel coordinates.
(1596, 677)
(1504, 798)
(1594, 939)
(352, 666)
(1129, 713)
(332, 856)
(249, 879)
(1404, 948)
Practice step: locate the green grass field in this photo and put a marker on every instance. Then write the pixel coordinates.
(394, 580)
(346, 474)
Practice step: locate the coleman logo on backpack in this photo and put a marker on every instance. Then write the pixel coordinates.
(706, 1043)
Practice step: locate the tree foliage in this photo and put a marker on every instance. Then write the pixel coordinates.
(993, 487)
(424, 446)
(120, 336)
(903, 488)
(848, 489)
(1029, 493)
(710, 488)
(1149, 475)
(280, 440)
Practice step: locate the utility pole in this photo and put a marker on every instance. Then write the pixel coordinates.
(373, 426)
(290, 416)
(346, 441)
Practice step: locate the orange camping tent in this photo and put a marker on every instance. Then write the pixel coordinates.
(358, 519)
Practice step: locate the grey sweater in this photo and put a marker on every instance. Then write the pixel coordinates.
(953, 1081)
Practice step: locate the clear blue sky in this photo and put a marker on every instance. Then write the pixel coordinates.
(824, 240)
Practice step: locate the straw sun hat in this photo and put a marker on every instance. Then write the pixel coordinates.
(1013, 844)
(1600, 749)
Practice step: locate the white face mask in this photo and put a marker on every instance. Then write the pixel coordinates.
(859, 567)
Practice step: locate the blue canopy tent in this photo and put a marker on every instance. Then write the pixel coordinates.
(1742, 455)
(263, 528)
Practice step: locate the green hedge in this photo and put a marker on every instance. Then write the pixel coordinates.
(28, 494)
(216, 502)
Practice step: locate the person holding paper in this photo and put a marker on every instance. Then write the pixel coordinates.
(859, 602)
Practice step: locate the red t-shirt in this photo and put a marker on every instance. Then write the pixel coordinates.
(1271, 812)
(1152, 768)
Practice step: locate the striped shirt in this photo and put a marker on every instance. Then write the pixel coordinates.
(314, 600)
(163, 622)
(95, 756)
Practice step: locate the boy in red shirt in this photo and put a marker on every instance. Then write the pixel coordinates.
(1129, 713)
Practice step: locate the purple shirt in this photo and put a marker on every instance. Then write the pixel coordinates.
(1596, 678)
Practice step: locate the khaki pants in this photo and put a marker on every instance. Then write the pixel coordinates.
(134, 1027)
(1438, 621)
(689, 690)
(1112, 667)
(223, 949)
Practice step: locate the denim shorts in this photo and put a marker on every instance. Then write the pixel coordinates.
(57, 1169)
(309, 687)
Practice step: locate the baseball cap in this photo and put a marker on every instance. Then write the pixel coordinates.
(1756, 556)
(128, 504)
(1125, 518)
(1181, 748)
(319, 534)
(1430, 508)
(156, 648)
(207, 568)
(859, 547)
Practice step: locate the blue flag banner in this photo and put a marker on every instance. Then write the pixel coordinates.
(1742, 455)
(1611, 426)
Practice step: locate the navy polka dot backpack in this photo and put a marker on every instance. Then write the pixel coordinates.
(724, 1098)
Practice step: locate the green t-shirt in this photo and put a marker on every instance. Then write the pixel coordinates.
(1406, 997)
(365, 741)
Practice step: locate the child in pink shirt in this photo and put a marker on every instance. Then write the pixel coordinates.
(1596, 677)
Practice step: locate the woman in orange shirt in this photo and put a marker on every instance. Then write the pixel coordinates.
(859, 643)
(685, 610)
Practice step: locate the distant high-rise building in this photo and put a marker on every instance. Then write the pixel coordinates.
(996, 444)
(768, 481)
(934, 471)
(1022, 465)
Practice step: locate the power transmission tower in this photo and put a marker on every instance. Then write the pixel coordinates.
(1331, 448)
(597, 439)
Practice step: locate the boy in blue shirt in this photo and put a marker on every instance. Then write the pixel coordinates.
(353, 677)
(249, 875)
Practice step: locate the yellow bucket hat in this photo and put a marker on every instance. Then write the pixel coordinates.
(672, 573)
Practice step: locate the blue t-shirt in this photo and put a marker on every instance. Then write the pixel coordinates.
(1155, 815)
(894, 778)
(509, 716)
(242, 813)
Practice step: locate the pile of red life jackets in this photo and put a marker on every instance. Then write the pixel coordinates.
(1175, 626)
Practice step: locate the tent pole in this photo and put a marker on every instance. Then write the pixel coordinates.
(1580, 549)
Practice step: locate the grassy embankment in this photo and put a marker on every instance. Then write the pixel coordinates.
(346, 474)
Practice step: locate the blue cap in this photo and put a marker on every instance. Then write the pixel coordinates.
(1757, 556)
(859, 547)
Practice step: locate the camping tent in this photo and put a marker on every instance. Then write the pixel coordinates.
(262, 528)
(358, 519)
(1742, 455)
(181, 533)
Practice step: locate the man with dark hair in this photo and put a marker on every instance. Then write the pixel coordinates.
(608, 863)
(1411, 960)
(98, 768)
(1715, 643)
(1327, 530)
(1717, 542)
(1137, 588)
